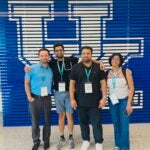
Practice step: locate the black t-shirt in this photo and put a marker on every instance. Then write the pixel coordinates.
(68, 64)
(78, 74)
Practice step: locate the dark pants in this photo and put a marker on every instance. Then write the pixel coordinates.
(40, 104)
(91, 114)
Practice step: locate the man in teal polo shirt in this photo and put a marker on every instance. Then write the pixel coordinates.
(38, 84)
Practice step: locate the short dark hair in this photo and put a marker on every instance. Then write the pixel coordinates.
(120, 57)
(43, 49)
(58, 44)
(87, 47)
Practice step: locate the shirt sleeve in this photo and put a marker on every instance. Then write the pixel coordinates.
(28, 74)
(52, 63)
(102, 75)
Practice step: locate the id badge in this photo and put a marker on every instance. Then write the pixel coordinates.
(88, 87)
(44, 91)
(114, 99)
(61, 87)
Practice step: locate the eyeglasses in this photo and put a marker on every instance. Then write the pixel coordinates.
(116, 59)
(59, 50)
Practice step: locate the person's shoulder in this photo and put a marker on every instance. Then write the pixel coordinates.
(95, 64)
(77, 65)
(107, 72)
(73, 59)
(127, 70)
(97, 68)
(34, 66)
(53, 60)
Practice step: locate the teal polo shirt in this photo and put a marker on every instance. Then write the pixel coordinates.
(39, 76)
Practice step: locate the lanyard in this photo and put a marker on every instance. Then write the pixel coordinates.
(88, 73)
(61, 70)
(114, 82)
(114, 79)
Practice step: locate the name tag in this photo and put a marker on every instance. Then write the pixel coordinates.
(44, 91)
(61, 87)
(114, 99)
(88, 87)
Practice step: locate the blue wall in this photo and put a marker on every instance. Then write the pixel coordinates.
(108, 26)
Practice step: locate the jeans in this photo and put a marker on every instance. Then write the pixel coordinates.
(91, 114)
(121, 124)
(36, 107)
(62, 101)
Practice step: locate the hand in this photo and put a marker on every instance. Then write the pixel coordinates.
(74, 103)
(129, 109)
(31, 99)
(102, 103)
(102, 66)
(27, 69)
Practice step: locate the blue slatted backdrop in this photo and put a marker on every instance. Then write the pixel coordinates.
(107, 25)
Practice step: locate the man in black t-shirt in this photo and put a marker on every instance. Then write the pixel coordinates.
(61, 67)
(88, 94)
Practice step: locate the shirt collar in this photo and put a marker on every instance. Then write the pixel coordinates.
(41, 66)
(83, 65)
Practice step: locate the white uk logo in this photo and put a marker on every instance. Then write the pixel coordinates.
(90, 17)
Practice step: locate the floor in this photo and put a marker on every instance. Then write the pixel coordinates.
(19, 138)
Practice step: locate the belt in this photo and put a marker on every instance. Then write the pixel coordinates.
(39, 96)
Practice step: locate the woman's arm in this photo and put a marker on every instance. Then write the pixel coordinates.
(131, 90)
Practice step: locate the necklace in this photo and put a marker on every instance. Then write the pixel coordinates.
(114, 75)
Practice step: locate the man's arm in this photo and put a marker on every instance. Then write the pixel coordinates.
(101, 64)
(72, 93)
(28, 91)
(102, 102)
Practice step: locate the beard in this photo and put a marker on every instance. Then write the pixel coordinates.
(44, 61)
(86, 60)
(59, 56)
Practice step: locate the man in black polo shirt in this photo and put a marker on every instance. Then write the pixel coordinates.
(88, 94)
